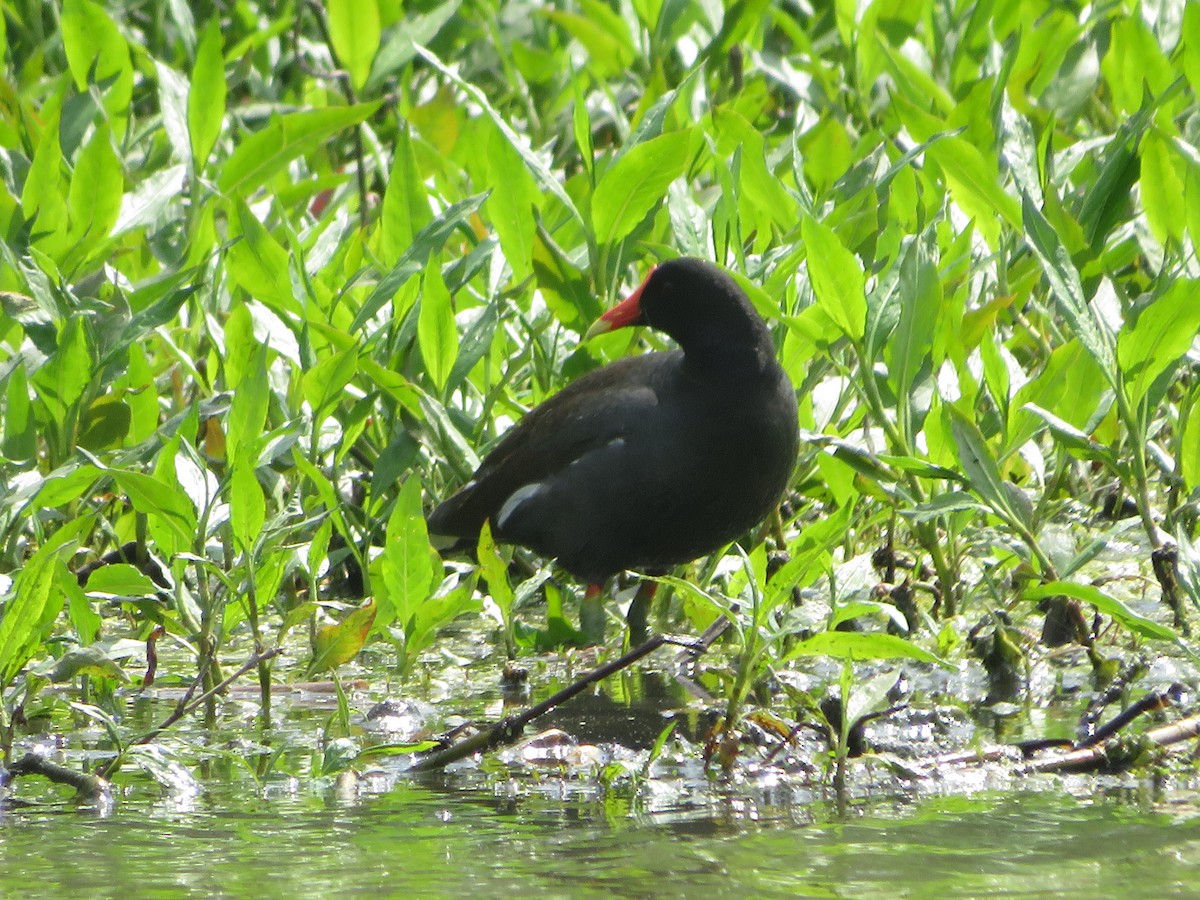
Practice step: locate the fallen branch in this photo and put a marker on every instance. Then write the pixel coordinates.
(510, 728)
(87, 787)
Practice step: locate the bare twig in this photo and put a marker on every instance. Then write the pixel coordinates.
(510, 728)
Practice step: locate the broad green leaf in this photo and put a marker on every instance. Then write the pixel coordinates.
(979, 465)
(20, 425)
(248, 409)
(247, 505)
(495, 572)
(436, 613)
(1067, 289)
(96, 188)
(636, 183)
(1191, 45)
(1106, 604)
(920, 296)
(1162, 189)
(121, 580)
(430, 240)
(96, 49)
(340, 643)
(173, 102)
(406, 570)
(405, 202)
(258, 264)
(511, 204)
(400, 45)
(1070, 436)
(165, 503)
(1164, 331)
(1069, 386)
(854, 646)
(323, 385)
(354, 29)
(436, 332)
(267, 152)
(837, 278)
(104, 424)
(1189, 448)
(602, 32)
(546, 177)
(206, 95)
(941, 506)
(150, 199)
(91, 661)
(1134, 64)
(67, 485)
(34, 601)
(43, 197)
(61, 380)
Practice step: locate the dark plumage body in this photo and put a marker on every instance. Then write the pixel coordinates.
(653, 460)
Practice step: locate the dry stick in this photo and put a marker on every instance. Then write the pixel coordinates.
(87, 786)
(1096, 757)
(508, 729)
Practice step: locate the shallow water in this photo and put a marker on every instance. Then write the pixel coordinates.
(221, 813)
(439, 839)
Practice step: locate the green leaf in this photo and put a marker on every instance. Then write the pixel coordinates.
(267, 152)
(636, 183)
(324, 384)
(406, 570)
(853, 646)
(247, 505)
(1060, 271)
(495, 572)
(91, 661)
(165, 503)
(1070, 436)
(602, 32)
(920, 295)
(837, 278)
(258, 264)
(941, 506)
(105, 424)
(43, 197)
(354, 30)
(61, 380)
(96, 188)
(400, 46)
(1106, 604)
(34, 601)
(430, 240)
(1189, 449)
(1162, 190)
(546, 177)
(340, 643)
(511, 203)
(1163, 332)
(979, 465)
(96, 49)
(436, 332)
(121, 580)
(206, 95)
(248, 409)
(405, 202)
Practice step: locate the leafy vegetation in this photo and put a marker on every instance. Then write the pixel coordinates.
(275, 275)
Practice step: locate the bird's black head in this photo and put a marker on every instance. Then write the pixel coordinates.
(699, 305)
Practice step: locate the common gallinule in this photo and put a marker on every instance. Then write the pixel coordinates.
(653, 460)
